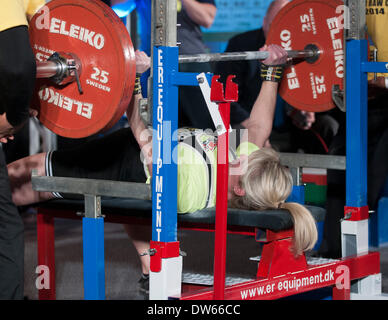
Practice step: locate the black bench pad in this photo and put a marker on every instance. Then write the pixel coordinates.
(274, 220)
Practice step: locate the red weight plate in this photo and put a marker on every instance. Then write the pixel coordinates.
(94, 33)
(308, 86)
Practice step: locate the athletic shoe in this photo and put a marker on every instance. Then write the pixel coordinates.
(144, 283)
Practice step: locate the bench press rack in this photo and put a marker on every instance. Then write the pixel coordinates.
(356, 275)
(274, 226)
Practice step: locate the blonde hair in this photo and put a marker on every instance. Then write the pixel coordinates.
(267, 184)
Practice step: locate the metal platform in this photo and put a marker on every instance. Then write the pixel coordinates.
(207, 279)
(311, 261)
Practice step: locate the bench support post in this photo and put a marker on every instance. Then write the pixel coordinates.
(93, 255)
(46, 253)
(93, 249)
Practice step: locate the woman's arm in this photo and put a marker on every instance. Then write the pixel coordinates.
(201, 13)
(134, 119)
(141, 133)
(259, 123)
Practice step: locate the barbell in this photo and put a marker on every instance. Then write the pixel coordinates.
(86, 62)
(309, 54)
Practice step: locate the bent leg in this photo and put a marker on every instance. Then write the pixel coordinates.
(141, 236)
(20, 179)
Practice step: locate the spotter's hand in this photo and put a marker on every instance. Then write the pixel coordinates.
(6, 139)
(143, 62)
(277, 55)
(309, 119)
(6, 129)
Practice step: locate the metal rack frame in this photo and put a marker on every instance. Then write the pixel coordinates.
(165, 279)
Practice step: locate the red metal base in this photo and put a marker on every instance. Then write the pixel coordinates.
(46, 237)
(277, 259)
(333, 274)
(162, 250)
(279, 274)
(356, 213)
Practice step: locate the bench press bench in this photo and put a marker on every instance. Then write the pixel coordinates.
(277, 224)
(114, 209)
(277, 263)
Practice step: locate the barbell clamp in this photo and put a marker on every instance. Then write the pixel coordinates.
(74, 69)
(68, 69)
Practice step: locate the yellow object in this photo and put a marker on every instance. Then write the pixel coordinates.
(13, 12)
(197, 177)
(32, 6)
(246, 148)
(195, 181)
(377, 22)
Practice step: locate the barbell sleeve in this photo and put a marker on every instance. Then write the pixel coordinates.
(46, 69)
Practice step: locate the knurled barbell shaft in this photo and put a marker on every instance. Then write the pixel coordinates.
(245, 55)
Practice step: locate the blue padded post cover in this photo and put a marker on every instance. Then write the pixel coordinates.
(93, 255)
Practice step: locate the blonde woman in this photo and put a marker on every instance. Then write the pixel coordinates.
(266, 184)
(257, 180)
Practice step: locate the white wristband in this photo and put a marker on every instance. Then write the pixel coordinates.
(386, 82)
